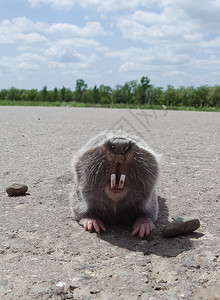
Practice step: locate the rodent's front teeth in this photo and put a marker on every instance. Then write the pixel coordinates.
(121, 182)
(113, 181)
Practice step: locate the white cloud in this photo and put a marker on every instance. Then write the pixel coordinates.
(169, 63)
(193, 11)
(68, 67)
(24, 30)
(76, 43)
(170, 41)
(99, 5)
(148, 59)
(215, 43)
(157, 27)
(59, 4)
(204, 13)
(26, 66)
(66, 48)
(21, 30)
(69, 30)
(30, 57)
(160, 38)
(31, 38)
(24, 62)
(114, 5)
(64, 51)
(88, 43)
(5, 64)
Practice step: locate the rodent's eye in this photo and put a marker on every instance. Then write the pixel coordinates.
(113, 147)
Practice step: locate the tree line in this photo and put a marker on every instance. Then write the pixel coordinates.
(131, 92)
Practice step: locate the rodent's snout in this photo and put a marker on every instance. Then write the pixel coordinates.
(120, 145)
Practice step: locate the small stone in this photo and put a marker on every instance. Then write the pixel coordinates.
(95, 291)
(181, 225)
(17, 189)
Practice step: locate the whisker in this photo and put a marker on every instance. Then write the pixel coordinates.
(146, 167)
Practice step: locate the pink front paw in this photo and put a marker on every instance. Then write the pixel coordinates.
(92, 223)
(142, 227)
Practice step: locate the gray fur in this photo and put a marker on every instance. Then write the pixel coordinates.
(92, 168)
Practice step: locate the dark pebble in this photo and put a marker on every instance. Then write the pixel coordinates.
(180, 226)
(17, 189)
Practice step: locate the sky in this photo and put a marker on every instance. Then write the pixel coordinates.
(56, 42)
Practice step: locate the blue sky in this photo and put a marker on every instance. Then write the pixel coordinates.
(56, 42)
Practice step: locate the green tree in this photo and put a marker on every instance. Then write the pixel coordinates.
(145, 84)
(141, 91)
(105, 93)
(87, 96)
(134, 92)
(199, 96)
(202, 95)
(55, 95)
(49, 96)
(170, 96)
(121, 94)
(95, 95)
(24, 95)
(126, 93)
(81, 86)
(132, 88)
(43, 93)
(33, 95)
(214, 96)
(183, 95)
(14, 94)
(153, 95)
(68, 95)
(3, 94)
(63, 94)
(188, 96)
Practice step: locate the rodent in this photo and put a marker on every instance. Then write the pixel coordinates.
(115, 176)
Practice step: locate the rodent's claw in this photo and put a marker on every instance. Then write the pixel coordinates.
(90, 224)
(142, 227)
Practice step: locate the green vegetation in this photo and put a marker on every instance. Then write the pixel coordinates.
(132, 94)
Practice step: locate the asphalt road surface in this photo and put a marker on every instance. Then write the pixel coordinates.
(44, 254)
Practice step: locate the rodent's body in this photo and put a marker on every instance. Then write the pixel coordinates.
(115, 175)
